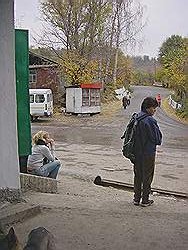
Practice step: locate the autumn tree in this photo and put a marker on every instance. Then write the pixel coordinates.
(88, 36)
(72, 32)
(126, 23)
(173, 57)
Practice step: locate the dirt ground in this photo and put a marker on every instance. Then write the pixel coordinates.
(86, 216)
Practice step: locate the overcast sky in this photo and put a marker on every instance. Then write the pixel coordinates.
(164, 18)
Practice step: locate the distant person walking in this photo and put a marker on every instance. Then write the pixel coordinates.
(42, 161)
(158, 98)
(148, 136)
(125, 102)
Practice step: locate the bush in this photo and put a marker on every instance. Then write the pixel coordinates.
(176, 98)
(183, 112)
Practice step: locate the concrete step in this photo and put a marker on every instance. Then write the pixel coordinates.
(38, 183)
(13, 213)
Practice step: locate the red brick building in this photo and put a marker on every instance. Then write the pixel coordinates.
(43, 73)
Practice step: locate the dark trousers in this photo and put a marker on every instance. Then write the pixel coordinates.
(143, 177)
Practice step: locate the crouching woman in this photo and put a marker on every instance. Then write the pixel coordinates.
(42, 160)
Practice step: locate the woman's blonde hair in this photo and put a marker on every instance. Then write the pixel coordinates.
(41, 135)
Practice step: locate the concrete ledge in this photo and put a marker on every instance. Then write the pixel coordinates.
(13, 213)
(38, 183)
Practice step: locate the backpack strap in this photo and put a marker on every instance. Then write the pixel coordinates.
(142, 117)
(133, 118)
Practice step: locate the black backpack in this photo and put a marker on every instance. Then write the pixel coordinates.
(129, 137)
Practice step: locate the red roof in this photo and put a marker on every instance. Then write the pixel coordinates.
(96, 85)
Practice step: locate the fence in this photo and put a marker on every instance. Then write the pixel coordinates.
(174, 104)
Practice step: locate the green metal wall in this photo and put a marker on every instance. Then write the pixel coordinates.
(22, 92)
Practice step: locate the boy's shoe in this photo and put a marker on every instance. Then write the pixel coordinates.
(147, 204)
(136, 203)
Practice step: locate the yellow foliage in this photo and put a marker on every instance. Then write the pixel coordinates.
(77, 69)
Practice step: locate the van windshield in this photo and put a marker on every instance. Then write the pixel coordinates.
(39, 98)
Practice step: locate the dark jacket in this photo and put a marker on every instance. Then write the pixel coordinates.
(148, 136)
(124, 101)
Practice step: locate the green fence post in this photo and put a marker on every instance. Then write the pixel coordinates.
(22, 96)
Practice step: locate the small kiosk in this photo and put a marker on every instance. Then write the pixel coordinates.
(83, 99)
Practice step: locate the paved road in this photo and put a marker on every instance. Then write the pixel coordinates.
(91, 148)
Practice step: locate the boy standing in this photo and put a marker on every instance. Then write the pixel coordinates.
(148, 136)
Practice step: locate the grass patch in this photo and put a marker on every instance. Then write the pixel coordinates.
(111, 108)
(172, 112)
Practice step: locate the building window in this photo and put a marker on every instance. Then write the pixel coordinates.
(85, 97)
(32, 76)
(90, 97)
(94, 97)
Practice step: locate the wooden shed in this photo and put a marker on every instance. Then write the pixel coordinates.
(83, 99)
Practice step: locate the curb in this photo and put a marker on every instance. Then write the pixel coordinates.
(11, 214)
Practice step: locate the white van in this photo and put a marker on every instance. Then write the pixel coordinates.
(41, 103)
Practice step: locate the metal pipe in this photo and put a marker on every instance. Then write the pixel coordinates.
(127, 186)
